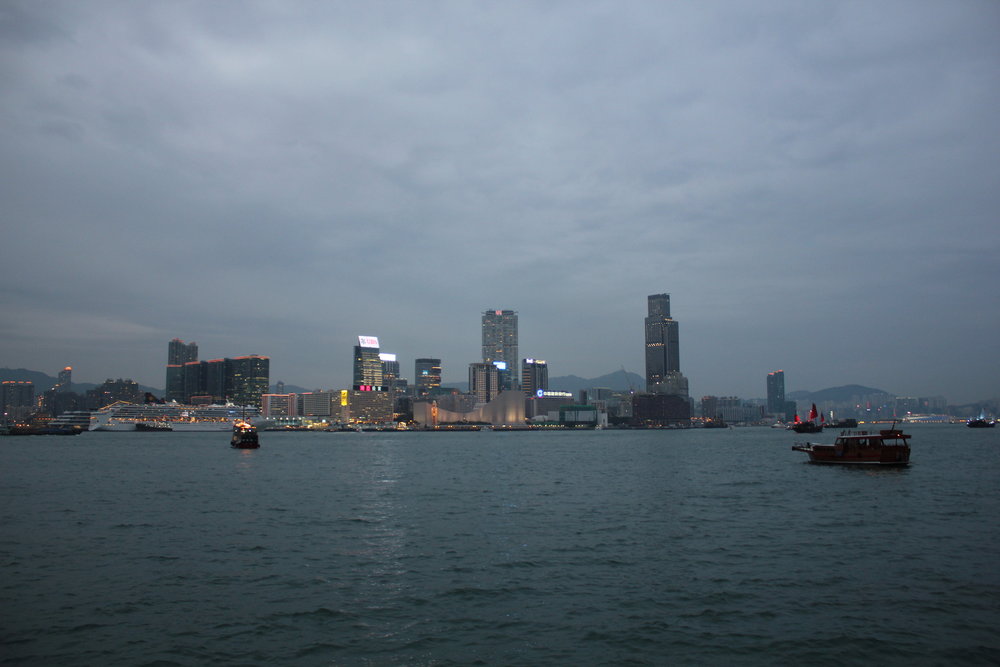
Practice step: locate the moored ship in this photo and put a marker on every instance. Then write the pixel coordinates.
(123, 416)
(887, 447)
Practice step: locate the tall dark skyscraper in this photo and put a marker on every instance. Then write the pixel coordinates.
(248, 379)
(663, 364)
(178, 354)
(500, 343)
(427, 374)
(776, 393)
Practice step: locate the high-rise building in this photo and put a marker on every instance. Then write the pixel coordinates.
(663, 366)
(500, 342)
(65, 382)
(534, 376)
(427, 374)
(248, 378)
(367, 364)
(178, 354)
(17, 399)
(776, 393)
(484, 381)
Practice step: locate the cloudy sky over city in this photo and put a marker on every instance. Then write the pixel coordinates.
(815, 184)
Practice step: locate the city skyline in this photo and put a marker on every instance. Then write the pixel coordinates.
(813, 184)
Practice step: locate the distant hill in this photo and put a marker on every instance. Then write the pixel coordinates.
(45, 382)
(616, 381)
(574, 383)
(834, 394)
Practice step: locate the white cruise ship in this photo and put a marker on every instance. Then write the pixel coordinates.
(123, 416)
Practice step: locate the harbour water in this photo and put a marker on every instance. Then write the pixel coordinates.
(542, 548)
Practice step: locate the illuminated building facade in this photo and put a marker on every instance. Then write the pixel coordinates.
(367, 364)
(499, 328)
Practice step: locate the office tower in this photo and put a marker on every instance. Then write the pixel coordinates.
(248, 378)
(500, 342)
(663, 372)
(534, 376)
(367, 365)
(427, 374)
(178, 354)
(390, 368)
(776, 393)
(484, 381)
(65, 382)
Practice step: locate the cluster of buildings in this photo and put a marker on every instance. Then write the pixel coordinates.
(503, 389)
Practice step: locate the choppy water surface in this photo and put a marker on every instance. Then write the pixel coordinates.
(679, 547)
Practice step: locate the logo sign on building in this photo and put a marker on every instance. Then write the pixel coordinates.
(385, 356)
(501, 365)
(368, 341)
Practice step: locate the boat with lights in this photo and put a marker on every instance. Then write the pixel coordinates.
(244, 435)
(889, 447)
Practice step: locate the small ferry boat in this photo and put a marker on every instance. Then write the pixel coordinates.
(887, 447)
(981, 422)
(244, 435)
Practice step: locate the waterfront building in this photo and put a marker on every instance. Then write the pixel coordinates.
(427, 375)
(318, 403)
(279, 405)
(534, 376)
(663, 373)
(484, 381)
(499, 332)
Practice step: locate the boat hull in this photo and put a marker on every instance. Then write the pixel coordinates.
(832, 455)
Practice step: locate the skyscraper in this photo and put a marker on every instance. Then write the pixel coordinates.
(776, 393)
(484, 381)
(65, 382)
(427, 374)
(500, 342)
(367, 364)
(248, 379)
(663, 366)
(178, 354)
(534, 376)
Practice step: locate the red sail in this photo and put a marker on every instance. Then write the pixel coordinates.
(797, 421)
(813, 413)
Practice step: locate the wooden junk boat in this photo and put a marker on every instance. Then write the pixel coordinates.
(887, 447)
(244, 435)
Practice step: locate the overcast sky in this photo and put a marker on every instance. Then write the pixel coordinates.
(815, 184)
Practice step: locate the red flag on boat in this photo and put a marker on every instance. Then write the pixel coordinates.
(812, 413)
